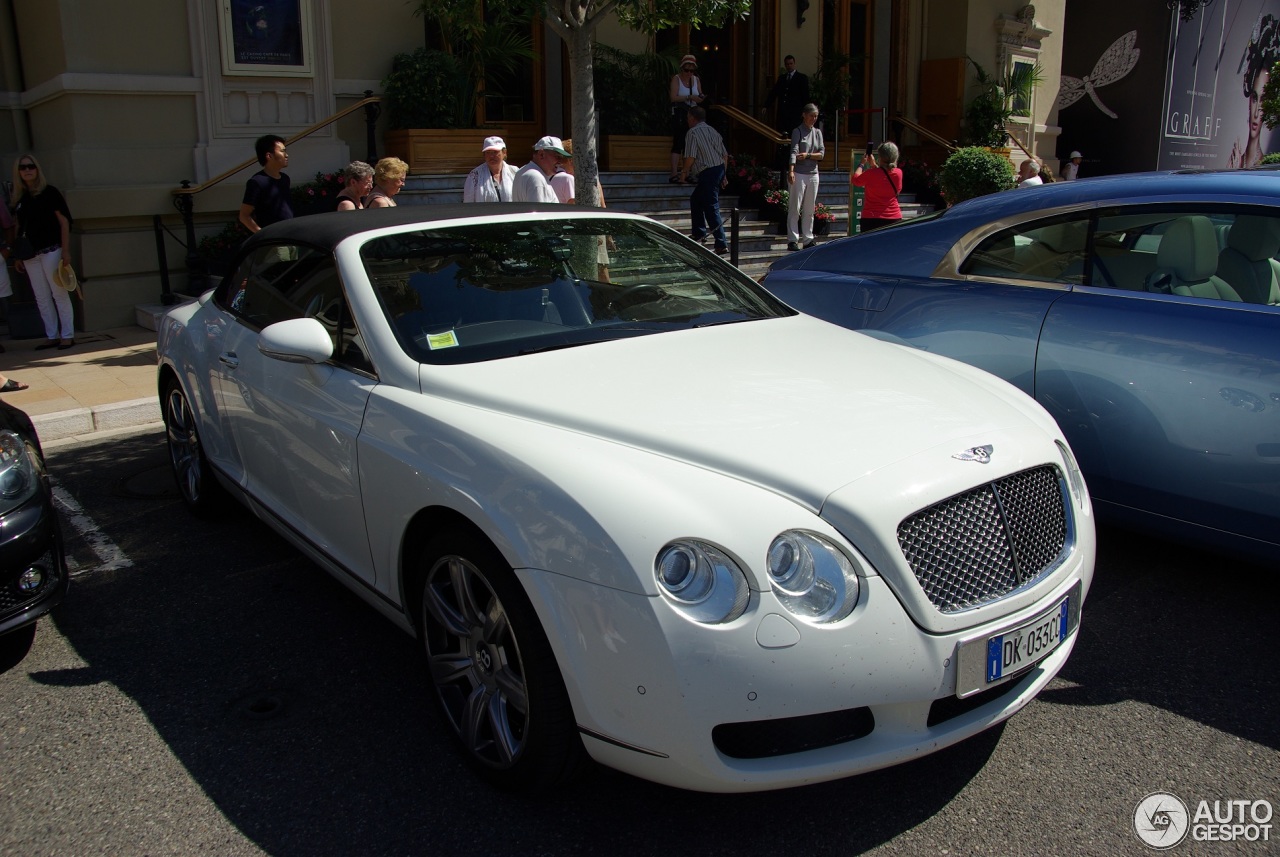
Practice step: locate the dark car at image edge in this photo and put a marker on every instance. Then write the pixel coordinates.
(33, 569)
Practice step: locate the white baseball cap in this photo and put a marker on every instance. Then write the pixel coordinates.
(1074, 154)
(552, 144)
(494, 144)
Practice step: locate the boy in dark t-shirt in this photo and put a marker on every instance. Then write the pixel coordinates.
(266, 193)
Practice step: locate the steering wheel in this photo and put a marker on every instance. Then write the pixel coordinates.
(621, 296)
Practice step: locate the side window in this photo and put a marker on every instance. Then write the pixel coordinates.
(281, 282)
(262, 290)
(1214, 255)
(322, 298)
(1048, 251)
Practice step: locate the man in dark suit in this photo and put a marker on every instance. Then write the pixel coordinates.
(791, 93)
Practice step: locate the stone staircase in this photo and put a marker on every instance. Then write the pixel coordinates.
(760, 242)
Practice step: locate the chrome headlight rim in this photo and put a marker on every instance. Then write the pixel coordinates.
(19, 471)
(701, 581)
(813, 577)
(1075, 478)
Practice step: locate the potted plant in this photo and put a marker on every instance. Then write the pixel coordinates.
(749, 179)
(634, 110)
(216, 251)
(315, 197)
(773, 208)
(974, 171)
(987, 115)
(921, 181)
(823, 219)
(432, 93)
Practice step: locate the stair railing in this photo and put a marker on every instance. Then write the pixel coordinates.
(184, 196)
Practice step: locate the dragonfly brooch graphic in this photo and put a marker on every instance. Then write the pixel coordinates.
(1117, 61)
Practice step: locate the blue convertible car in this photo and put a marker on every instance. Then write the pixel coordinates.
(1143, 311)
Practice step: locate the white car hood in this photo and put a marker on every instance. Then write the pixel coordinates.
(796, 405)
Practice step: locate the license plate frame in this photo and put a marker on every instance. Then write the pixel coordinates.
(984, 660)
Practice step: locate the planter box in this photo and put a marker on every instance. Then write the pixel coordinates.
(440, 150)
(629, 152)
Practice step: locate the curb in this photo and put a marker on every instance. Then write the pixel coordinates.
(82, 421)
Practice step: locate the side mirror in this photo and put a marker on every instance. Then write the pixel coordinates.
(298, 340)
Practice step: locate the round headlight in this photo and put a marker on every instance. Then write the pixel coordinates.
(812, 578)
(702, 582)
(18, 472)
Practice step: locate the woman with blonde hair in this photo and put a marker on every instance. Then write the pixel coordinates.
(388, 178)
(44, 230)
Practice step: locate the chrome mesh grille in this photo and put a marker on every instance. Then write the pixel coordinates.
(978, 546)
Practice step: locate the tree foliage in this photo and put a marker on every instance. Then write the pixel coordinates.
(994, 105)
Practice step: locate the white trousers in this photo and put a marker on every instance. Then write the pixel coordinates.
(54, 301)
(804, 196)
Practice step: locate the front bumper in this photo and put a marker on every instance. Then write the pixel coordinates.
(31, 538)
(649, 687)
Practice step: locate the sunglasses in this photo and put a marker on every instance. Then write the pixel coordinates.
(26, 166)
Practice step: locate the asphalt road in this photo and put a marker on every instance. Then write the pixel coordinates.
(206, 690)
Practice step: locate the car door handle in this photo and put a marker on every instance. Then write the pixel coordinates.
(229, 359)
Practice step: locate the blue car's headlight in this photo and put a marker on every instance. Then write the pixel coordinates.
(812, 578)
(18, 473)
(702, 582)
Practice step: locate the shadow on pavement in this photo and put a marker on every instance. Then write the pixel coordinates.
(1182, 630)
(305, 716)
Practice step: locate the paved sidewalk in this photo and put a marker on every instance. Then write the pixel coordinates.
(106, 381)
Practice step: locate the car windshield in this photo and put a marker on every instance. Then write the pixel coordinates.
(488, 290)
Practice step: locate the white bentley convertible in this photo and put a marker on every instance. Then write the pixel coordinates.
(636, 509)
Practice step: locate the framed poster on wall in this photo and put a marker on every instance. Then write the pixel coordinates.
(266, 38)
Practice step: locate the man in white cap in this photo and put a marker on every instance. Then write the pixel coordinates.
(532, 182)
(1071, 169)
(491, 181)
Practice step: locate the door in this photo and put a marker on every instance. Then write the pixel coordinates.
(296, 425)
(1164, 369)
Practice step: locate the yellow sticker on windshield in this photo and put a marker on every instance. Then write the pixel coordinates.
(442, 340)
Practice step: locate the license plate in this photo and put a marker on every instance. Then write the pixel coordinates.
(990, 659)
(1009, 652)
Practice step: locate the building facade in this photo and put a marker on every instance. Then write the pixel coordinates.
(123, 101)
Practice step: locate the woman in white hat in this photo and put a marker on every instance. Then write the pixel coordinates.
(685, 92)
(491, 181)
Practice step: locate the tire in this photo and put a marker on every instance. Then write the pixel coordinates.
(15, 645)
(494, 673)
(196, 483)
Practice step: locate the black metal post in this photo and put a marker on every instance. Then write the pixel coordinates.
(185, 203)
(371, 113)
(166, 292)
(734, 217)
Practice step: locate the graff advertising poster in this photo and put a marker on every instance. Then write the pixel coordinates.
(1218, 63)
(265, 36)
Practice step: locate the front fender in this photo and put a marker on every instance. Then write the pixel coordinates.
(554, 500)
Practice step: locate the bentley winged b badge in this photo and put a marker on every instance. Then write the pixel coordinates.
(980, 454)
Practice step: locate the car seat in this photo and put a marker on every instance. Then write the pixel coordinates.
(1187, 260)
(1248, 261)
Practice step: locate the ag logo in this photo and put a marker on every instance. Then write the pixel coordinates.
(1161, 820)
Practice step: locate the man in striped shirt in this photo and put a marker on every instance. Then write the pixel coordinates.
(705, 158)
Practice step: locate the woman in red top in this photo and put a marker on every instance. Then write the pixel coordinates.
(880, 177)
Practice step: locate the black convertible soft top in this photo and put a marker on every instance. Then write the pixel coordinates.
(327, 230)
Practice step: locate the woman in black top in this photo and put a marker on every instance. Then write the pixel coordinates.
(45, 222)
